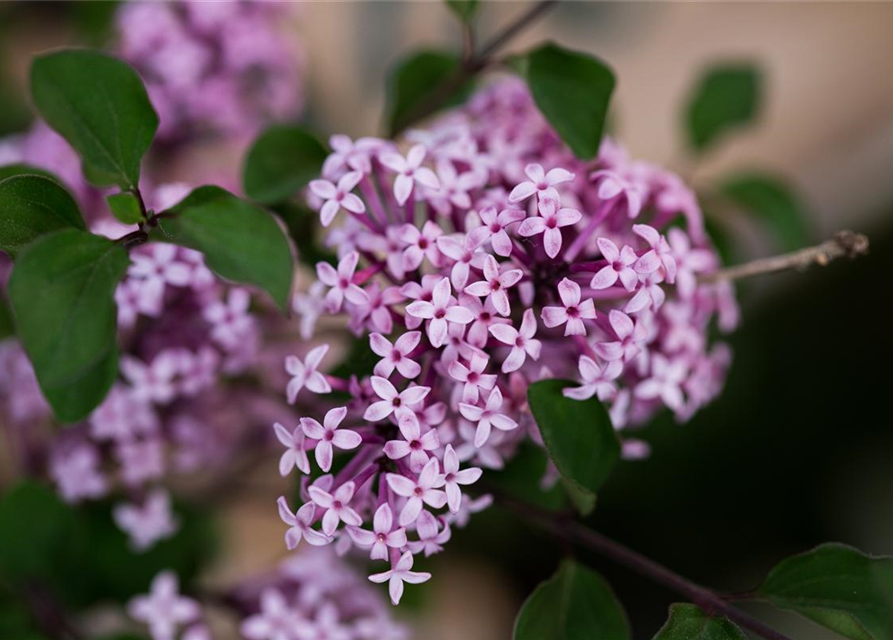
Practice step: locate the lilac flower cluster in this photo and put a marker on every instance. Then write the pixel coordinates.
(213, 68)
(308, 596)
(482, 259)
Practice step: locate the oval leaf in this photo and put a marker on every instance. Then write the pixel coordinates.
(280, 163)
(100, 106)
(20, 169)
(578, 434)
(125, 207)
(771, 201)
(726, 97)
(240, 241)
(572, 90)
(839, 587)
(574, 604)
(688, 622)
(62, 294)
(413, 82)
(31, 206)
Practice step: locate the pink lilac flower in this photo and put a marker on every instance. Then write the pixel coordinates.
(348, 154)
(164, 609)
(409, 172)
(619, 267)
(337, 507)
(304, 374)
(494, 285)
(597, 381)
(295, 455)
(660, 255)
(123, 416)
(572, 313)
(76, 473)
(376, 314)
(337, 197)
(140, 460)
(462, 251)
(612, 186)
(415, 445)
(549, 223)
(630, 337)
(453, 478)
(494, 229)
(473, 376)
(396, 356)
(394, 402)
(521, 341)
(276, 620)
(419, 492)
(148, 523)
(230, 319)
(442, 309)
(400, 573)
(153, 382)
(330, 436)
(540, 183)
(420, 245)
(487, 416)
(341, 282)
(300, 525)
(665, 382)
(431, 537)
(383, 535)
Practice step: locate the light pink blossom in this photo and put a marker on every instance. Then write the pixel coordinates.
(330, 436)
(409, 172)
(487, 416)
(304, 374)
(572, 313)
(400, 573)
(383, 535)
(521, 340)
(419, 492)
(549, 223)
(337, 197)
(495, 284)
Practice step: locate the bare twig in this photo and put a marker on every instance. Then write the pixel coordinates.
(844, 244)
(473, 63)
(571, 531)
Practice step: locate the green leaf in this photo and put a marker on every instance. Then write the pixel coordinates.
(838, 587)
(771, 201)
(578, 434)
(413, 82)
(463, 9)
(40, 534)
(688, 622)
(575, 604)
(7, 325)
(100, 106)
(62, 293)
(726, 97)
(240, 241)
(126, 207)
(19, 169)
(280, 163)
(572, 90)
(32, 206)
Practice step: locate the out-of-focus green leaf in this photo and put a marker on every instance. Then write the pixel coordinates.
(573, 91)
(280, 163)
(125, 207)
(726, 97)
(688, 622)
(303, 228)
(575, 604)
(100, 106)
(32, 206)
(413, 81)
(772, 202)
(838, 587)
(465, 10)
(578, 434)
(240, 241)
(20, 169)
(62, 294)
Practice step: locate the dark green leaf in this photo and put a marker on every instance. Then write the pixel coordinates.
(40, 534)
(578, 434)
(575, 604)
(7, 325)
(572, 90)
(62, 293)
(100, 106)
(413, 82)
(303, 228)
(726, 97)
(9, 170)
(126, 207)
(240, 241)
(688, 622)
(839, 587)
(32, 206)
(280, 163)
(772, 202)
(463, 9)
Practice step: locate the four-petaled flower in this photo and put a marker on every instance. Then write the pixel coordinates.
(415, 445)
(620, 266)
(630, 337)
(430, 539)
(396, 355)
(540, 183)
(338, 196)
(659, 256)
(400, 573)
(665, 382)
(452, 478)
(487, 416)
(341, 282)
(494, 285)
(422, 244)
(573, 312)
(549, 222)
(522, 342)
(164, 609)
(382, 536)
(443, 308)
(329, 435)
(300, 525)
(424, 490)
(304, 374)
(473, 376)
(597, 381)
(337, 506)
(409, 171)
(393, 402)
(494, 229)
(294, 456)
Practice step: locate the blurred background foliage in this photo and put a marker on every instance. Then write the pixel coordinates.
(798, 448)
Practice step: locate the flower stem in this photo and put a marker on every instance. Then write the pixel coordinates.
(569, 530)
(844, 244)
